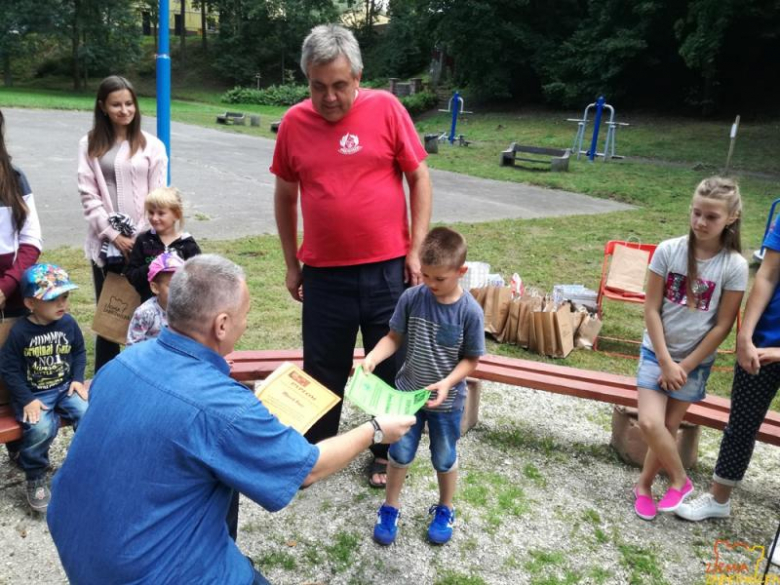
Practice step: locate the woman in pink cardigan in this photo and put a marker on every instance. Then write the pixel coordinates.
(118, 165)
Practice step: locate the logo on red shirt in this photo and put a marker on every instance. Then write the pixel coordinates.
(350, 144)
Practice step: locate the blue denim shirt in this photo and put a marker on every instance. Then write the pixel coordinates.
(144, 491)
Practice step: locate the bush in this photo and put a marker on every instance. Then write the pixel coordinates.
(275, 95)
(420, 102)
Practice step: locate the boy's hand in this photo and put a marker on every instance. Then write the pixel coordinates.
(442, 389)
(79, 389)
(32, 412)
(368, 364)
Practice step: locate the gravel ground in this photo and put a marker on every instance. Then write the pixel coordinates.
(541, 499)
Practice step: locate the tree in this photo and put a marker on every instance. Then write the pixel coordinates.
(405, 47)
(104, 36)
(20, 21)
(265, 36)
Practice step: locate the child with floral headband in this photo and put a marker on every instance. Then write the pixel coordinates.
(150, 318)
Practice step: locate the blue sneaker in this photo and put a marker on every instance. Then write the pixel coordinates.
(386, 526)
(440, 530)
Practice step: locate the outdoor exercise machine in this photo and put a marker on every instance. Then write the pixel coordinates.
(598, 108)
(457, 107)
(758, 255)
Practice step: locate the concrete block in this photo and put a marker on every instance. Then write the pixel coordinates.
(630, 445)
(254, 120)
(471, 408)
(431, 143)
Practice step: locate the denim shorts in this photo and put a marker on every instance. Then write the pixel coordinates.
(444, 432)
(649, 371)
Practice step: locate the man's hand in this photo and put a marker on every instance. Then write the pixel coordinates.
(79, 389)
(294, 283)
(442, 389)
(2, 300)
(412, 269)
(394, 426)
(32, 412)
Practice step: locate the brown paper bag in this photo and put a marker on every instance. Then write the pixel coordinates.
(496, 309)
(628, 269)
(479, 295)
(552, 333)
(564, 331)
(118, 300)
(508, 335)
(527, 306)
(587, 332)
(5, 329)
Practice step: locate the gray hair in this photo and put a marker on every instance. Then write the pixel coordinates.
(201, 289)
(325, 43)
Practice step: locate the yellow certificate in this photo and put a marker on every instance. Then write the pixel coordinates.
(294, 397)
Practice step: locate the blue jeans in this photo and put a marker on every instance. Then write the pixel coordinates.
(337, 302)
(444, 431)
(38, 437)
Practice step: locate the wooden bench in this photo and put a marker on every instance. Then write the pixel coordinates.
(557, 159)
(236, 118)
(711, 412)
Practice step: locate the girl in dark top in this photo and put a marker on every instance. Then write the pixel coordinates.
(165, 213)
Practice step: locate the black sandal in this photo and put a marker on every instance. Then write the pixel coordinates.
(374, 469)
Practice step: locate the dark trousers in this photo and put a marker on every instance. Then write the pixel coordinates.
(337, 302)
(105, 350)
(750, 400)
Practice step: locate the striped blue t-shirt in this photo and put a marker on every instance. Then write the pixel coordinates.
(437, 336)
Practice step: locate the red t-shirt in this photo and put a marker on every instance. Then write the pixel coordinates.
(351, 178)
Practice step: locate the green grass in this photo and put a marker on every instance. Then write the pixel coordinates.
(343, 549)
(449, 577)
(642, 565)
(494, 496)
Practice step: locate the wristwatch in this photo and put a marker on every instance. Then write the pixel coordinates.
(378, 434)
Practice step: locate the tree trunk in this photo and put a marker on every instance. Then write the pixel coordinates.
(74, 39)
(183, 30)
(8, 80)
(203, 26)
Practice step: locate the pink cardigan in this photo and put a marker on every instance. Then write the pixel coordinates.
(135, 178)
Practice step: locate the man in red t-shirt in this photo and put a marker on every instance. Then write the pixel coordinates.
(347, 151)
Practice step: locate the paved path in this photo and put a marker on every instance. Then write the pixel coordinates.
(227, 186)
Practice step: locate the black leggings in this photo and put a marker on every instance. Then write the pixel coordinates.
(750, 400)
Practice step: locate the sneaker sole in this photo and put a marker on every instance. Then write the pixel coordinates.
(437, 541)
(644, 517)
(383, 542)
(716, 516)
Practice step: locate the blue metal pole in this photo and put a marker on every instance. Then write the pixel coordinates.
(163, 61)
(455, 108)
(596, 123)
